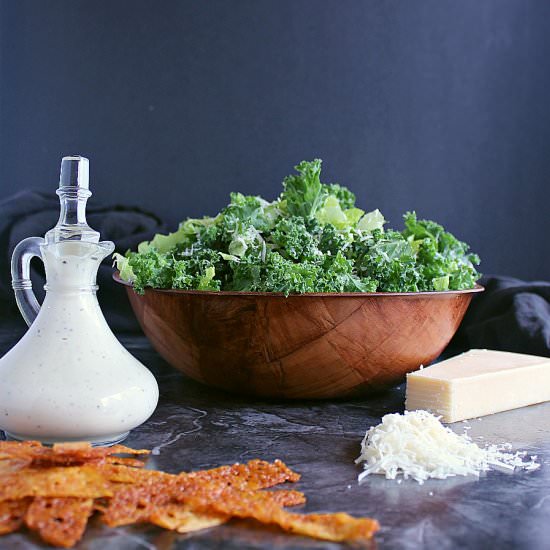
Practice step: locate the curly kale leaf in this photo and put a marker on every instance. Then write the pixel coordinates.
(159, 270)
(331, 240)
(311, 239)
(251, 210)
(338, 275)
(443, 260)
(293, 240)
(388, 259)
(174, 270)
(345, 197)
(303, 192)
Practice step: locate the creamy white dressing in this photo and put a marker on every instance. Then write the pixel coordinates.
(69, 378)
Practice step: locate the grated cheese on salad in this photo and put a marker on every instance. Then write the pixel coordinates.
(418, 446)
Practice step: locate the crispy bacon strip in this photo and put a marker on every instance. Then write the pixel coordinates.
(59, 521)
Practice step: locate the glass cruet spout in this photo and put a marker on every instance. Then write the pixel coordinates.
(69, 378)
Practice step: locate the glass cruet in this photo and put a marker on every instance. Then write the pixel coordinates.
(69, 378)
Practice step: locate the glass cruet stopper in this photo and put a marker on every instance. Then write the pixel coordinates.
(73, 192)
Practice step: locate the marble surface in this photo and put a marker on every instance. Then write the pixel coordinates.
(195, 427)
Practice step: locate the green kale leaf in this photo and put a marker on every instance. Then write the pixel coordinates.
(304, 194)
(311, 239)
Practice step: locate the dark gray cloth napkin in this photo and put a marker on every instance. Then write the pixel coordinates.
(511, 315)
(32, 213)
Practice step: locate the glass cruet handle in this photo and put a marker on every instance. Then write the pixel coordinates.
(21, 282)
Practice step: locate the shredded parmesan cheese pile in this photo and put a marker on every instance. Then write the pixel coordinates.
(417, 445)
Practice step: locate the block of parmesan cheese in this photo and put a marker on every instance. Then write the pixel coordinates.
(479, 382)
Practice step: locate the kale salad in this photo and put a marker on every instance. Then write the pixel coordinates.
(311, 239)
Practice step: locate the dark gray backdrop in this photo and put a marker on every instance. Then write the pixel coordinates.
(442, 106)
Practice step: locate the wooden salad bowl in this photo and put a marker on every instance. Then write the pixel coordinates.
(300, 346)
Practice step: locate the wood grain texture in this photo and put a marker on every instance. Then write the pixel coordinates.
(300, 346)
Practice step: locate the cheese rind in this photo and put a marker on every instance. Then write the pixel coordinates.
(479, 382)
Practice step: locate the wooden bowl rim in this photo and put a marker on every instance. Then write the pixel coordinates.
(477, 288)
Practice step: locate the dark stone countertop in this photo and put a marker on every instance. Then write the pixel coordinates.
(195, 427)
